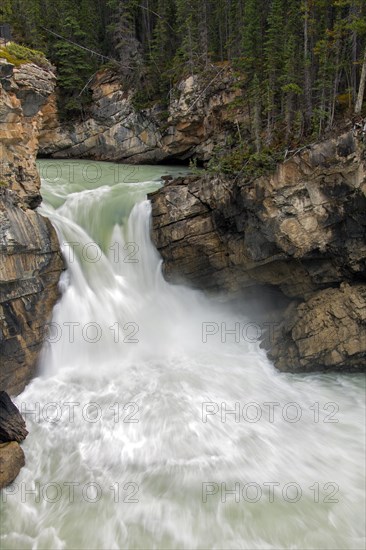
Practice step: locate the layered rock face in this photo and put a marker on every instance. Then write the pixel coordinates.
(200, 117)
(22, 96)
(30, 258)
(301, 230)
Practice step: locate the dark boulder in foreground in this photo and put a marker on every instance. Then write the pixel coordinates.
(11, 462)
(12, 425)
(12, 432)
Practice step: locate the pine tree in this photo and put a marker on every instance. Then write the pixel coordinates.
(307, 4)
(252, 38)
(126, 46)
(295, 58)
(274, 56)
(361, 89)
(74, 65)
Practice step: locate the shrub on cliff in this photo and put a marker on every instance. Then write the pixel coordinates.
(18, 55)
(244, 160)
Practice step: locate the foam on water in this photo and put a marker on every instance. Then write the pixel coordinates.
(143, 453)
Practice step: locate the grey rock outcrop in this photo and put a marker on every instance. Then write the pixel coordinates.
(327, 330)
(302, 230)
(199, 117)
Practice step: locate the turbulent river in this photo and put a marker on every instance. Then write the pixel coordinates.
(156, 421)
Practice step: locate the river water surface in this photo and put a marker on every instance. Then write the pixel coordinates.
(132, 444)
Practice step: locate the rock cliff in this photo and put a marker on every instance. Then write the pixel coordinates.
(199, 116)
(31, 261)
(301, 230)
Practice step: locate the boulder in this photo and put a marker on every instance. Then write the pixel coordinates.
(327, 331)
(11, 461)
(6, 69)
(12, 424)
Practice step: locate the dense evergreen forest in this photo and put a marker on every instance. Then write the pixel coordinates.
(299, 60)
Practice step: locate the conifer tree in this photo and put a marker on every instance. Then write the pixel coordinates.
(274, 58)
(295, 57)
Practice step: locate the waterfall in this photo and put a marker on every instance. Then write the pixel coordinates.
(156, 421)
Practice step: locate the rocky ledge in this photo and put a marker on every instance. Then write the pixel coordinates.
(30, 258)
(301, 230)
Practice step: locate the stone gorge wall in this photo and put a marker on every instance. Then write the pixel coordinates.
(301, 230)
(200, 116)
(30, 258)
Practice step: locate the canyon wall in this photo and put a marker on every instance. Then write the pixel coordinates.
(301, 230)
(30, 258)
(199, 117)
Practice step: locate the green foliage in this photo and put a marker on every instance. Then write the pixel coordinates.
(194, 168)
(292, 88)
(4, 54)
(82, 22)
(18, 55)
(243, 160)
(142, 99)
(294, 58)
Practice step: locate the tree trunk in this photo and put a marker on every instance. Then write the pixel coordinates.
(289, 116)
(337, 77)
(203, 31)
(361, 89)
(354, 66)
(354, 16)
(257, 125)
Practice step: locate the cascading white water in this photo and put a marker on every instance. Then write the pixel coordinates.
(130, 447)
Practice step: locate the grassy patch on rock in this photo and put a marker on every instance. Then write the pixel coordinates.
(17, 55)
